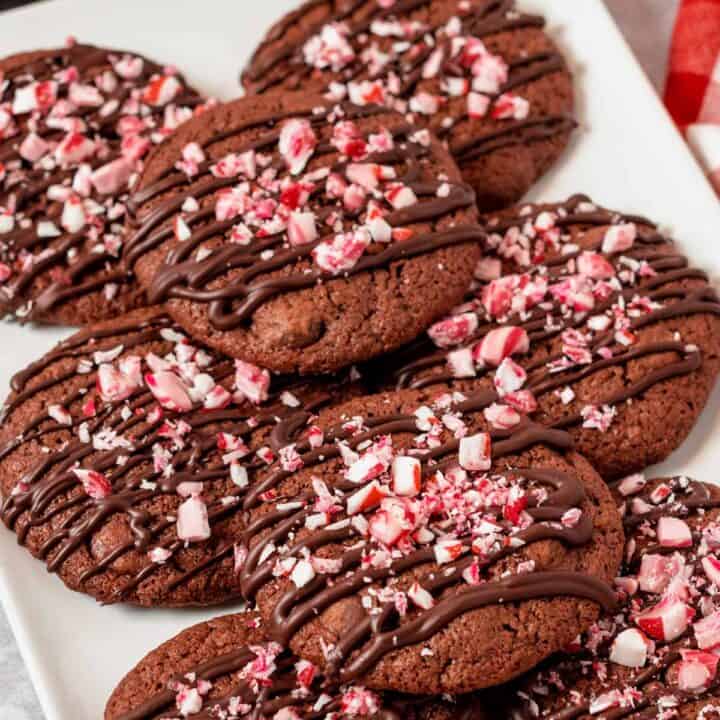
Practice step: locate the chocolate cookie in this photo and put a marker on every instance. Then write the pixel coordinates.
(125, 452)
(656, 656)
(226, 668)
(481, 74)
(587, 320)
(397, 541)
(303, 236)
(75, 125)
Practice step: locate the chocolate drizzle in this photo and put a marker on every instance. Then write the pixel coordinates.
(375, 635)
(643, 693)
(421, 364)
(279, 62)
(50, 490)
(234, 280)
(316, 701)
(49, 272)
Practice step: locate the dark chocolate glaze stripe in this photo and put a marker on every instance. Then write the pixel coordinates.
(182, 276)
(651, 681)
(51, 477)
(669, 268)
(283, 691)
(375, 636)
(270, 67)
(25, 191)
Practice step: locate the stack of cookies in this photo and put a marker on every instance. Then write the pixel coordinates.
(332, 372)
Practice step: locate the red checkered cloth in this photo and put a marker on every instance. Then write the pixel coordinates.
(692, 94)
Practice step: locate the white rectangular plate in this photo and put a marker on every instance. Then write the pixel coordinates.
(626, 155)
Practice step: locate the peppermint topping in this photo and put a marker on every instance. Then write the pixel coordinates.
(81, 137)
(437, 497)
(324, 196)
(659, 649)
(581, 285)
(457, 64)
(266, 677)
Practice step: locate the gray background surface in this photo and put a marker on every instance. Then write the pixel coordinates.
(647, 24)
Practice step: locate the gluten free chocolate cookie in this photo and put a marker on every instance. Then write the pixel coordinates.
(481, 74)
(584, 319)
(656, 656)
(125, 453)
(301, 235)
(75, 125)
(226, 668)
(397, 541)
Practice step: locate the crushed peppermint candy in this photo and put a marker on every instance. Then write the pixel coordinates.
(80, 131)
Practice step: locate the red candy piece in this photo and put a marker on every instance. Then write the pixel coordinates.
(674, 532)
(252, 381)
(667, 620)
(96, 485)
(707, 631)
(475, 452)
(297, 144)
(502, 343)
(169, 390)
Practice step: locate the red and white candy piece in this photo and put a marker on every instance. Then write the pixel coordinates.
(501, 417)
(169, 390)
(461, 363)
(33, 147)
(73, 149)
(619, 238)
(161, 90)
(446, 551)
(711, 566)
(631, 484)
(366, 498)
(400, 196)
(342, 252)
(368, 467)
(113, 384)
(302, 573)
(453, 330)
(674, 532)
(667, 620)
(302, 228)
(489, 71)
(387, 527)
(192, 520)
(59, 414)
(112, 177)
(631, 648)
(697, 670)
(510, 107)
(656, 571)
(251, 381)
(297, 144)
(501, 343)
(420, 597)
(475, 452)
(477, 105)
(73, 215)
(95, 484)
(34, 96)
(595, 266)
(188, 701)
(707, 631)
(509, 377)
(406, 476)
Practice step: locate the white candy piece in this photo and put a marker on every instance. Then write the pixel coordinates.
(475, 452)
(192, 520)
(630, 649)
